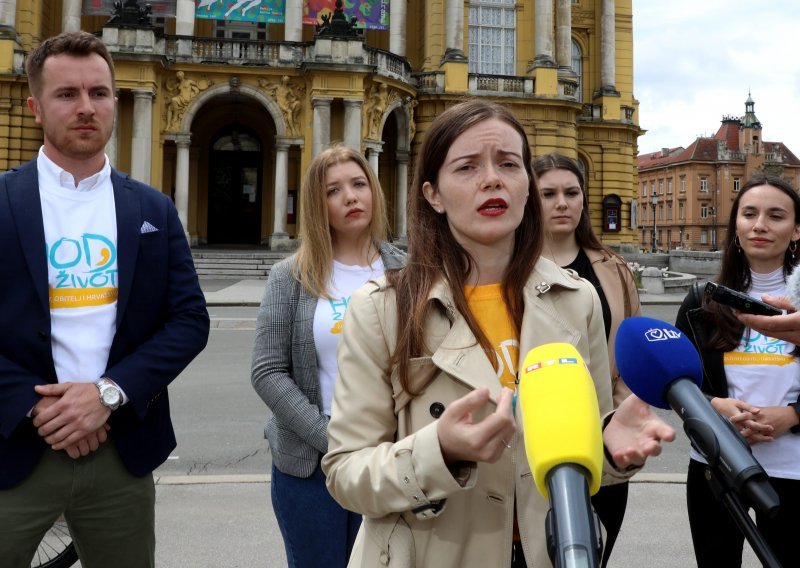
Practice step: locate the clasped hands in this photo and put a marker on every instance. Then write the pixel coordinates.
(70, 417)
(633, 434)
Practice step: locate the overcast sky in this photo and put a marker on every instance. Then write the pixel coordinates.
(695, 60)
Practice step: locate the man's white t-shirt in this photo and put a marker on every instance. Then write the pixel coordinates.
(80, 229)
(328, 319)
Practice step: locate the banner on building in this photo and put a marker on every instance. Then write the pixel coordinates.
(370, 14)
(160, 8)
(269, 11)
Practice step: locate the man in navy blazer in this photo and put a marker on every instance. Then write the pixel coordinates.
(100, 309)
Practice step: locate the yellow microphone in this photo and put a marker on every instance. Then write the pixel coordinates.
(564, 446)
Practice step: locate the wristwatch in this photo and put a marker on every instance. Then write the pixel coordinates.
(796, 428)
(110, 395)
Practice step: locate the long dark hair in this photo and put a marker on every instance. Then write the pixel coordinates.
(434, 254)
(735, 270)
(584, 234)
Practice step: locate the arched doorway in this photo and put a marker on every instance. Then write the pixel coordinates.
(234, 186)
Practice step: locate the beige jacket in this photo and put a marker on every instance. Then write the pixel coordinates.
(384, 459)
(623, 300)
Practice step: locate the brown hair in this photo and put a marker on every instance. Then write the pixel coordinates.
(735, 269)
(314, 260)
(435, 254)
(77, 44)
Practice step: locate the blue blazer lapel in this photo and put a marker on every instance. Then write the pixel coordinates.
(129, 222)
(26, 207)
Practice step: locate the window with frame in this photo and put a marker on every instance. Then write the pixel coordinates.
(492, 37)
(577, 68)
(669, 211)
(703, 184)
(681, 211)
(703, 237)
(661, 187)
(704, 211)
(669, 186)
(653, 187)
(737, 184)
(683, 184)
(644, 189)
(234, 29)
(644, 214)
(660, 212)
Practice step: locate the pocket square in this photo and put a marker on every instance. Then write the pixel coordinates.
(148, 228)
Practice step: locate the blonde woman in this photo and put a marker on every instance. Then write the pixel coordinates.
(343, 227)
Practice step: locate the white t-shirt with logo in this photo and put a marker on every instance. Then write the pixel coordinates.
(328, 319)
(80, 229)
(762, 371)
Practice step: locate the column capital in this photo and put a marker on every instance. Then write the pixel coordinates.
(353, 102)
(401, 157)
(143, 93)
(182, 140)
(373, 146)
(285, 142)
(321, 101)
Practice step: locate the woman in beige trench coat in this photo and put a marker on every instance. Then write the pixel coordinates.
(423, 439)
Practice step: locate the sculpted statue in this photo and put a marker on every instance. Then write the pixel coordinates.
(374, 107)
(182, 91)
(288, 98)
(412, 125)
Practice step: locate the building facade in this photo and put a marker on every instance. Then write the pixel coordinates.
(685, 194)
(224, 115)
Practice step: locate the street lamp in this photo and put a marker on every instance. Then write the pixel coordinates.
(654, 202)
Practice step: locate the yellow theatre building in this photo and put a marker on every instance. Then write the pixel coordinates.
(224, 103)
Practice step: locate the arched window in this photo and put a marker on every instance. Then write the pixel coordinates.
(577, 67)
(492, 37)
(236, 141)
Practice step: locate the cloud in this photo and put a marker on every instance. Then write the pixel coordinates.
(696, 61)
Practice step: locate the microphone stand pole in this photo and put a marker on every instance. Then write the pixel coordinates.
(725, 493)
(573, 532)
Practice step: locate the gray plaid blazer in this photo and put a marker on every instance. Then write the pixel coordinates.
(284, 368)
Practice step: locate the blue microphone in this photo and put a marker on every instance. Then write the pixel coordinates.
(662, 367)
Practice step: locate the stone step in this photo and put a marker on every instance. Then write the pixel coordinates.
(233, 272)
(233, 262)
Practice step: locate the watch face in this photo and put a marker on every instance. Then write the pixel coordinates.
(111, 396)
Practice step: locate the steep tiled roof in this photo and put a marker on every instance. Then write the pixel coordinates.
(729, 132)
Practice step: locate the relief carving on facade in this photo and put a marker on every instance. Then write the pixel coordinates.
(378, 100)
(181, 91)
(289, 99)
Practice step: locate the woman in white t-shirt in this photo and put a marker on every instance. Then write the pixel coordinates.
(342, 245)
(751, 378)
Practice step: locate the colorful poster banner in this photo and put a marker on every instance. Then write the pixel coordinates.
(370, 14)
(269, 11)
(160, 8)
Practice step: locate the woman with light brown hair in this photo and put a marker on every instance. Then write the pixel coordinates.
(342, 230)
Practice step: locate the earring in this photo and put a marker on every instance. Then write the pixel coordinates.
(793, 248)
(736, 242)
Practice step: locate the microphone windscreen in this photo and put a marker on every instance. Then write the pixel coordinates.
(793, 287)
(651, 354)
(560, 414)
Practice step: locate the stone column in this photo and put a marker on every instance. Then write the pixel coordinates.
(397, 27)
(322, 125)
(141, 143)
(352, 123)
(71, 16)
(184, 26)
(8, 19)
(293, 27)
(401, 195)
(182, 141)
(184, 18)
(454, 30)
(279, 235)
(564, 33)
(543, 30)
(373, 154)
(111, 145)
(607, 48)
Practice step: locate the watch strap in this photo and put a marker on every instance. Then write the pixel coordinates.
(796, 428)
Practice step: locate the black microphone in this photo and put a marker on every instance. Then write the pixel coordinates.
(662, 367)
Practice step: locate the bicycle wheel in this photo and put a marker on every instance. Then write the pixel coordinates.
(56, 549)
